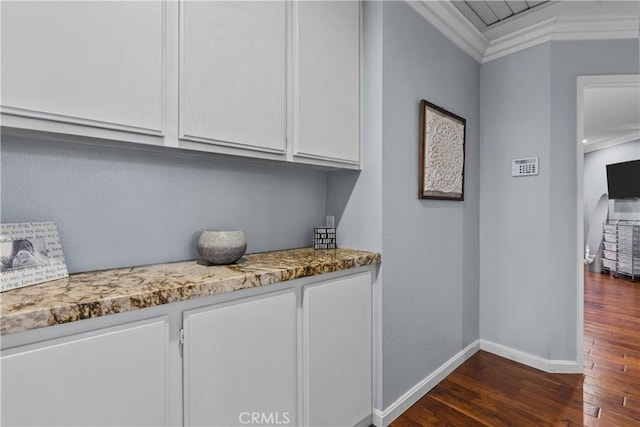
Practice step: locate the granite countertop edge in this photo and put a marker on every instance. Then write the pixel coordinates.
(100, 293)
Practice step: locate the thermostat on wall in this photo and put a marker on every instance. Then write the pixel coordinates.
(524, 167)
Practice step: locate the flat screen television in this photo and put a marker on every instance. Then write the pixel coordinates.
(623, 180)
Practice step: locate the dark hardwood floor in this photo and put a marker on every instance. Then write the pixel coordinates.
(488, 390)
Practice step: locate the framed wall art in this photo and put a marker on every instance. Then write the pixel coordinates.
(30, 253)
(442, 147)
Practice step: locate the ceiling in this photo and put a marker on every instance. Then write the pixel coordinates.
(611, 115)
(483, 14)
(495, 21)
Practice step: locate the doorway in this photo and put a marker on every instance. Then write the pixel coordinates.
(601, 123)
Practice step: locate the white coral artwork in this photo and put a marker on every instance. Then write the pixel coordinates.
(444, 154)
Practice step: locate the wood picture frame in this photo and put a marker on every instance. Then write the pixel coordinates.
(441, 153)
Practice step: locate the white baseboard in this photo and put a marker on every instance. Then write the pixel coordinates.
(537, 362)
(378, 418)
(384, 418)
(397, 408)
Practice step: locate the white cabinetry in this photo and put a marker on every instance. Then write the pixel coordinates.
(327, 82)
(116, 376)
(278, 79)
(233, 74)
(337, 351)
(85, 68)
(272, 77)
(240, 359)
(295, 353)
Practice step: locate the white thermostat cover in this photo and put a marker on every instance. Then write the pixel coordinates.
(525, 167)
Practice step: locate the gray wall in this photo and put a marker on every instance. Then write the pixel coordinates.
(118, 207)
(430, 292)
(595, 181)
(528, 289)
(429, 278)
(514, 212)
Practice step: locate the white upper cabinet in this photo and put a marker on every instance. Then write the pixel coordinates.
(327, 82)
(277, 80)
(233, 74)
(74, 67)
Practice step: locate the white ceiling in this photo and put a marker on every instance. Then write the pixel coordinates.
(611, 115)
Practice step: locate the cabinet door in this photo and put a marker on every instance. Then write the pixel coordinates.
(337, 353)
(98, 64)
(240, 360)
(115, 377)
(233, 74)
(327, 81)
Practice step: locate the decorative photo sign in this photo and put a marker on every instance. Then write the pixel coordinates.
(442, 141)
(30, 253)
(324, 238)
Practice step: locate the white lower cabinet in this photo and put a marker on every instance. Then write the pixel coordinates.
(299, 354)
(240, 363)
(337, 352)
(115, 376)
(241, 359)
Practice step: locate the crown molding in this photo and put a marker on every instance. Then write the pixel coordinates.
(564, 28)
(596, 28)
(599, 145)
(533, 35)
(453, 24)
(457, 28)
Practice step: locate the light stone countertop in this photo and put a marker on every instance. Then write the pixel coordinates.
(99, 293)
